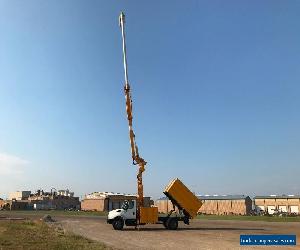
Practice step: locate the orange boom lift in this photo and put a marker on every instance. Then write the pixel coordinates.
(136, 159)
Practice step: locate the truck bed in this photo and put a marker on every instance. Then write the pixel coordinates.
(183, 198)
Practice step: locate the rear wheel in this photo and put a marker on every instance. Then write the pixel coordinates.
(172, 223)
(165, 224)
(118, 224)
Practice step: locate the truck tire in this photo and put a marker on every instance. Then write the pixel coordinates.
(118, 224)
(172, 223)
(165, 224)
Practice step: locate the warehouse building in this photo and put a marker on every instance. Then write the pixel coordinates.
(107, 201)
(215, 204)
(226, 204)
(272, 204)
(164, 205)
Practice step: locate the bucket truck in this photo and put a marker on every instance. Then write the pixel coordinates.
(133, 212)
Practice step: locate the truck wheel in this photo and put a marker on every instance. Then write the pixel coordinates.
(118, 224)
(172, 224)
(165, 224)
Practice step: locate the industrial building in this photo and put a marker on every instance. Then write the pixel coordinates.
(107, 201)
(61, 200)
(13, 204)
(215, 204)
(40, 200)
(272, 204)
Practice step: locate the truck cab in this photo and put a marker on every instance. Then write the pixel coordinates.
(124, 215)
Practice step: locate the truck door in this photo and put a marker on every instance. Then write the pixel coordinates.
(131, 211)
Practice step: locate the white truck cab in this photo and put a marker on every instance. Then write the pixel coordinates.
(124, 215)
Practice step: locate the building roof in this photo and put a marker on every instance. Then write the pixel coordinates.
(274, 196)
(102, 195)
(217, 197)
(163, 198)
(222, 197)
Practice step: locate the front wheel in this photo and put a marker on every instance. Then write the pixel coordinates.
(118, 224)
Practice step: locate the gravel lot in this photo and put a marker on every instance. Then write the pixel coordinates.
(201, 234)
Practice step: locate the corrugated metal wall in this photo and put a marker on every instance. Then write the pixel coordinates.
(218, 207)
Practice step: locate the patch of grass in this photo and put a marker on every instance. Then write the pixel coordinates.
(249, 218)
(54, 213)
(38, 235)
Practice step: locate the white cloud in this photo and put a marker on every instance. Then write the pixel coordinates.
(11, 164)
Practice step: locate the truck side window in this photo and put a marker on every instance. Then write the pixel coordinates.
(131, 204)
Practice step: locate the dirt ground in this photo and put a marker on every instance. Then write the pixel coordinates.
(201, 234)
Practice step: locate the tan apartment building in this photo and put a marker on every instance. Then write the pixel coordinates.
(271, 204)
(107, 201)
(215, 204)
(19, 195)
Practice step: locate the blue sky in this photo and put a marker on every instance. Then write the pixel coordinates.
(215, 90)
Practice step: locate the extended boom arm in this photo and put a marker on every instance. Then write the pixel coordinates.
(137, 160)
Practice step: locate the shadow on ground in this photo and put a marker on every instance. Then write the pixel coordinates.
(196, 229)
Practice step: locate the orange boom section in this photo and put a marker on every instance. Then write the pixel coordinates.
(183, 198)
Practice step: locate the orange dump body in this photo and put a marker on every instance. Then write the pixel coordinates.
(183, 198)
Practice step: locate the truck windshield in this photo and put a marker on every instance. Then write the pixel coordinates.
(127, 205)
